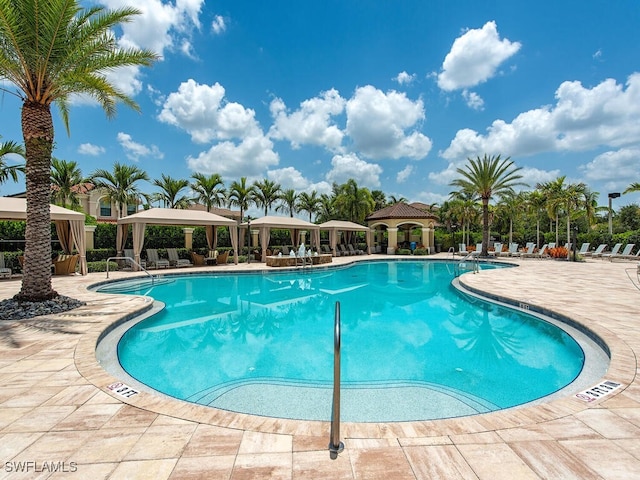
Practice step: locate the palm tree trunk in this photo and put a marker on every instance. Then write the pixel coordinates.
(37, 129)
(485, 227)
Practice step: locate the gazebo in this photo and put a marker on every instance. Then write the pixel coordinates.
(294, 225)
(69, 225)
(403, 217)
(335, 226)
(172, 216)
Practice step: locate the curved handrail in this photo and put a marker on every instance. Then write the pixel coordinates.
(335, 445)
(133, 262)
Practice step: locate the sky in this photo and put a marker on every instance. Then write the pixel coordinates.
(396, 95)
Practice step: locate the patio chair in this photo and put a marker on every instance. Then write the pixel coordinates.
(513, 250)
(4, 271)
(614, 251)
(353, 251)
(197, 259)
(477, 251)
(529, 252)
(584, 248)
(326, 250)
(175, 260)
(65, 264)
(626, 252)
(497, 249)
(597, 252)
(342, 251)
(128, 252)
(222, 258)
(154, 261)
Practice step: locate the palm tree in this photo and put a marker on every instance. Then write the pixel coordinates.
(7, 171)
(634, 187)
(288, 202)
(552, 192)
(379, 198)
(209, 190)
(535, 203)
(393, 200)
(241, 195)
(170, 189)
(488, 177)
(119, 186)
(354, 203)
(50, 51)
(309, 203)
(266, 194)
(464, 208)
(326, 211)
(65, 175)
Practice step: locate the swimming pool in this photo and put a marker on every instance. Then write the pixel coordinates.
(413, 347)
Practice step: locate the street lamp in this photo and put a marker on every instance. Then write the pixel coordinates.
(611, 197)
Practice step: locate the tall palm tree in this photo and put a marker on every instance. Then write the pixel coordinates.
(170, 191)
(488, 176)
(464, 208)
(50, 51)
(354, 203)
(288, 202)
(266, 194)
(241, 195)
(393, 200)
(120, 186)
(7, 171)
(591, 207)
(326, 211)
(552, 192)
(309, 202)
(379, 198)
(535, 203)
(209, 190)
(65, 175)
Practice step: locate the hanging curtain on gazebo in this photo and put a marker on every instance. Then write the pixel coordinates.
(138, 241)
(315, 239)
(212, 236)
(122, 232)
(333, 240)
(76, 227)
(63, 230)
(265, 237)
(233, 233)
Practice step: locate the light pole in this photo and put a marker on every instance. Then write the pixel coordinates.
(611, 197)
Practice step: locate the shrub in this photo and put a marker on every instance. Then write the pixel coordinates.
(403, 251)
(420, 251)
(558, 252)
(101, 266)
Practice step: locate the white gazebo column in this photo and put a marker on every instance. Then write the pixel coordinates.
(89, 231)
(426, 239)
(393, 240)
(188, 238)
(254, 238)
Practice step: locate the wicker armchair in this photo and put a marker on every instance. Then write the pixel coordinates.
(65, 264)
(198, 260)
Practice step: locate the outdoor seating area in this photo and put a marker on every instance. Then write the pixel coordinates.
(65, 264)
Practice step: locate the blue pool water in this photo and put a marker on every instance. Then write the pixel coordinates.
(413, 348)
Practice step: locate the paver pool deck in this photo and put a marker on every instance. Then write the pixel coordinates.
(56, 412)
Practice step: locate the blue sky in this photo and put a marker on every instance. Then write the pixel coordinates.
(396, 95)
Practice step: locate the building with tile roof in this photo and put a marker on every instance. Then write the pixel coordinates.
(400, 222)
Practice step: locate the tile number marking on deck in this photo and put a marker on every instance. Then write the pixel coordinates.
(598, 391)
(122, 389)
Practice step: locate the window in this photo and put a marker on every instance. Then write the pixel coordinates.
(131, 209)
(105, 208)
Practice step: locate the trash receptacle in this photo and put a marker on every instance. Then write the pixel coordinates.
(413, 246)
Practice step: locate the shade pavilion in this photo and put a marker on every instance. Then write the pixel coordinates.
(294, 225)
(335, 226)
(172, 216)
(69, 225)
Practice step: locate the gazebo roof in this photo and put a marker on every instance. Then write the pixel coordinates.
(16, 209)
(343, 225)
(174, 216)
(399, 210)
(281, 222)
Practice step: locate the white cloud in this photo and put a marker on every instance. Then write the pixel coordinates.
(250, 157)
(377, 123)
(290, 177)
(90, 149)
(218, 25)
(474, 58)
(616, 168)
(404, 78)
(202, 111)
(311, 124)
(473, 100)
(582, 119)
(344, 167)
(134, 150)
(404, 174)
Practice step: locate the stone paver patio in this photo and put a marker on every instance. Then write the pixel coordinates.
(58, 419)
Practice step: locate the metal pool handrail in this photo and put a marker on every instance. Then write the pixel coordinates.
(133, 262)
(335, 445)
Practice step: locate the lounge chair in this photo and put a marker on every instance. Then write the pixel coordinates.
(128, 252)
(614, 251)
(597, 252)
(175, 260)
(197, 259)
(326, 250)
(353, 251)
(584, 248)
(497, 249)
(530, 251)
(513, 250)
(65, 264)
(626, 252)
(552, 245)
(4, 271)
(343, 251)
(154, 261)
